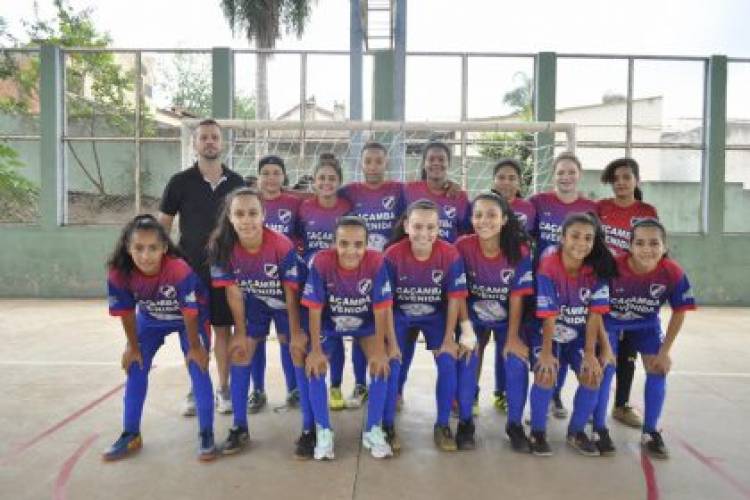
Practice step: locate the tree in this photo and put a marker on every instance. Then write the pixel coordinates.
(261, 21)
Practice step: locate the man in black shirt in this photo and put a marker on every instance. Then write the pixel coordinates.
(197, 194)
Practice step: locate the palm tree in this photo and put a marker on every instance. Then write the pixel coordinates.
(261, 22)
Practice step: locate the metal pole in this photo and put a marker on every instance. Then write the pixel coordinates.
(464, 117)
(302, 108)
(398, 158)
(138, 98)
(356, 38)
(629, 109)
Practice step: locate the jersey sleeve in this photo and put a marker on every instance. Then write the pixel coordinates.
(187, 295)
(221, 277)
(600, 297)
(382, 292)
(681, 298)
(547, 301)
(523, 282)
(171, 198)
(290, 273)
(456, 280)
(314, 294)
(121, 300)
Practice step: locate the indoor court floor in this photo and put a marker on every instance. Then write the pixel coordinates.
(59, 366)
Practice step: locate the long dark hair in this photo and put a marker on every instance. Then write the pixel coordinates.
(120, 258)
(608, 175)
(427, 148)
(329, 160)
(650, 222)
(600, 258)
(512, 236)
(224, 237)
(399, 232)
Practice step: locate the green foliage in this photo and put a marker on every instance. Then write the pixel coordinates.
(18, 195)
(261, 20)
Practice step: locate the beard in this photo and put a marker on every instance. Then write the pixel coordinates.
(210, 155)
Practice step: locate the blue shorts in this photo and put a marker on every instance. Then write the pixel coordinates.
(568, 353)
(433, 333)
(483, 332)
(152, 336)
(647, 341)
(259, 324)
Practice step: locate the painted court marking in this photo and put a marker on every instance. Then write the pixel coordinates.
(59, 492)
(649, 473)
(709, 462)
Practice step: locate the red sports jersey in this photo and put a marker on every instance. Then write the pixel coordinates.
(618, 221)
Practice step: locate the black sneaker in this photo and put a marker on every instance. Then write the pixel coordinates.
(235, 441)
(305, 446)
(604, 443)
(582, 444)
(465, 436)
(392, 438)
(518, 440)
(539, 445)
(654, 445)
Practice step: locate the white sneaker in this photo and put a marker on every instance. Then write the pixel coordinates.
(323, 444)
(376, 443)
(223, 401)
(357, 399)
(188, 406)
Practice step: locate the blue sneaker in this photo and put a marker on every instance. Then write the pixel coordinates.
(207, 447)
(127, 444)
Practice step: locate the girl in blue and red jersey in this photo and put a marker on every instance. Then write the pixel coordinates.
(647, 279)
(348, 294)
(572, 294)
(315, 229)
(281, 211)
(259, 269)
(155, 292)
(498, 275)
(551, 209)
(618, 215)
(429, 287)
(380, 203)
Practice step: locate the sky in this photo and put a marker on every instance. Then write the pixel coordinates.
(643, 27)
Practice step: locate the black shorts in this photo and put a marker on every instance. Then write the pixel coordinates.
(219, 311)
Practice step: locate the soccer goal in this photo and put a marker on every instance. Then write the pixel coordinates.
(476, 146)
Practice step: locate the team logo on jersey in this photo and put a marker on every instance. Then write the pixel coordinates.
(308, 289)
(271, 270)
(507, 275)
(656, 289)
(347, 323)
(526, 278)
(450, 211)
(564, 333)
(522, 219)
(585, 295)
(437, 276)
(190, 297)
(461, 280)
(389, 202)
(601, 294)
(168, 291)
(285, 215)
(364, 286)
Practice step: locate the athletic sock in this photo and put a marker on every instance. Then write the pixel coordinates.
(336, 356)
(287, 367)
(562, 374)
(135, 395)
(389, 410)
(446, 387)
(516, 387)
(239, 381)
(359, 364)
(539, 401)
(308, 420)
(319, 400)
(655, 392)
(466, 373)
(375, 401)
(600, 412)
(407, 355)
(583, 406)
(204, 396)
(500, 381)
(258, 367)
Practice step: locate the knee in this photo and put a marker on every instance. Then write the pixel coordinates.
(544, 381)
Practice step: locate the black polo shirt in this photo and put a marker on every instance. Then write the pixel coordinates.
(191, 196)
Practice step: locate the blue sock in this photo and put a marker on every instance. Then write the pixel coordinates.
(600, 412)
(319, 401)
(562, 374)
(583, 406)
(308, 421)
(389, 410)
(445, 389)
(204, 396)
(466, 374)
(516, 387)
(336, 358)
(655, 392)
(500, 383)
(376, 401)
(258, 367)
(135, 395)
(539, 400)
(239, 382)
(407, 355)
(288, 367)
(359, 363)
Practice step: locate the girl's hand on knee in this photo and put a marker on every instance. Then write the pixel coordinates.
(199, 356)
(316, 364)
(661, 363)
(517, 348)
(379, 365)
(393, 352)
(546, 369)
(450, 347)
(131, 355)
(298, 346)
(591, 370)
(237, 350)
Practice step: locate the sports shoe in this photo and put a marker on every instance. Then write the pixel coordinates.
(188, 406)
(654, 445)
(557, 407)
(582, 444)
(323, 444)
(518, 440)
(236, 440)
(627, 415)
(292, 399)
(127, 444)
(335, 399)
(305, 446)
(475, 408)
(206, 447)
(465, 436)
(604, 443)
(375, 441)
(392, 438)
(357, 399)
(500, 402)
(223, 401)
(444, 438)
(539, 445)
(256, 402)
